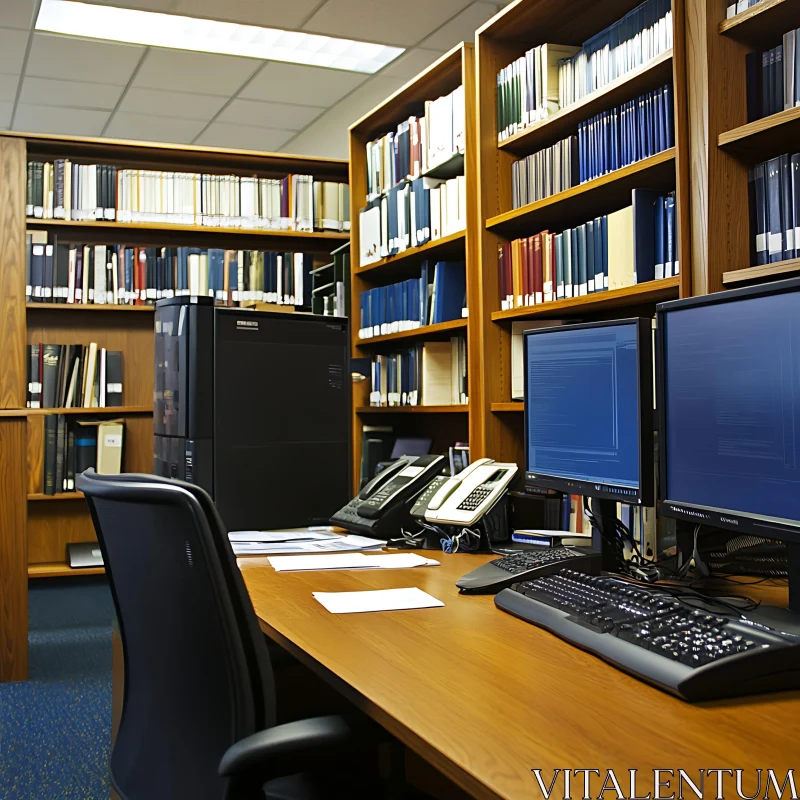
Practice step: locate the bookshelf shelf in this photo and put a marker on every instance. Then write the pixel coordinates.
(452, 245)
(35, 412)
(61, 496)
(599, 196)
(514, 407)
(760, 24)
(456, 409)
(564, 122)
(424, 332)
(764, 138)
(61, 570)
(639, 294)
(447, 169)
(84, 307)
(762, 272)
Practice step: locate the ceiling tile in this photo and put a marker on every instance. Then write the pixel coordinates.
(76, 94)
(153, 129)
(293, 83)
(12, 50)
(17, 14)
(171, 104)
(411, 63)
(327, 136)
(6, 110)
(462, 28)
(70, 121)
(73, 59)
(142, 5)
(268, 13)
(382, 20)
(244, 137)
(204, 73)
(269, 115)
(8, 88)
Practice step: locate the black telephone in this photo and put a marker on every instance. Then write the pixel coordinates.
(381, 508)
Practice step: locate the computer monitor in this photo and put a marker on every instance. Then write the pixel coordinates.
(728, 397)
(589, 410)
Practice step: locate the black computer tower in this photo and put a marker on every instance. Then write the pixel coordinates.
(255, 408)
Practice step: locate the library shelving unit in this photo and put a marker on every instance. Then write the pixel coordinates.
(446, 424)
(35, 528)
(724, 146)
(498, 428)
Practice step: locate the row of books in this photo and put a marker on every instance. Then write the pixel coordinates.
(774, 194)
(429, 374)
(438, 295)
(605, 142)
(550, 77)
(72, 446)
(410, 214)
(73, 376)
(419, 144)
(330, 293)
(90, 192)
(773, 78)
(737, 7)
(633, 245)
(100, 274)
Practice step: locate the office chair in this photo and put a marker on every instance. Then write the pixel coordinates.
(199, 708)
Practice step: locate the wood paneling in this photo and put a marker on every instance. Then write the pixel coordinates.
(484, 697)
(35, 449)
(763, 138)
(51, 526)
(13, 551)
(758, 25)
(138, 453)
(12, 272)
(59, 569)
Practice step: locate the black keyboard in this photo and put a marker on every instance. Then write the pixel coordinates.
(664, 640)
(526, 564)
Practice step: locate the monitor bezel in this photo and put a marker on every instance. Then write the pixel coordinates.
(730, 519)
(645, 495)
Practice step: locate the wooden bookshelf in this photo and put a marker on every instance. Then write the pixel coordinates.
(437, 331)
(35, 528)
(521, 25)
(764, 272)
(445, 424)
(59, 570)
(597, 302)
(764, 138)
(456, 409)
(756, 25)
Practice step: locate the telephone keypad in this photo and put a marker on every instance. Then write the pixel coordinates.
(474, 498)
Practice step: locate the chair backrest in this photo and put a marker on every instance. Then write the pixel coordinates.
(197, 675)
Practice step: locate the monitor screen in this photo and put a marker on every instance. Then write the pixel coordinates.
(584, 396)
(729, 394)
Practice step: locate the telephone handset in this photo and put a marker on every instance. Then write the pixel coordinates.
(381, 507)
(467, 496)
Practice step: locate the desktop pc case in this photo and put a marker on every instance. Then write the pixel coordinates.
(254, 408)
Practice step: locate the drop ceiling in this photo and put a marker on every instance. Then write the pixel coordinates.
(64, 85)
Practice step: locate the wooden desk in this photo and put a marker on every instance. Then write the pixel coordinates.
(485, 697)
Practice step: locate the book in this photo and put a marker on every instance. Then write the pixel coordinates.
(49, 460)
(110, 435)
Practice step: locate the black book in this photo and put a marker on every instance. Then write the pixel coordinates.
(766, 83)
(38, 189)
(69, 459)
(47, 279)
(61, 434)
(787, 208)
(62, 375)
(761, 232)
(29, 190)
(50, 355)
(752, 214)
(777, 80)
(113, 378)
(794, 171)
(28, 253)
(100, 187)
(85, 446)
(774, 219)
(58, 189)
(49, 461)
(35, 386)
(37, 270)
(60, 271)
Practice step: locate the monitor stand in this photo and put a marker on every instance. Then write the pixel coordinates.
(785, 619)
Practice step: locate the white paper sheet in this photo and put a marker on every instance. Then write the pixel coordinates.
(350, 561)
(380, 600)
(299, 535)
(336, 544)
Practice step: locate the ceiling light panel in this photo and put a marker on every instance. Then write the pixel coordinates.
(154, 29)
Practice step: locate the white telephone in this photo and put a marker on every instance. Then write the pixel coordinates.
(467, 496)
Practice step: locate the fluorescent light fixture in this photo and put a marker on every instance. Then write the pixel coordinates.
(153, 29)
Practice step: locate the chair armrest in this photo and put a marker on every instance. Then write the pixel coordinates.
(287, 749)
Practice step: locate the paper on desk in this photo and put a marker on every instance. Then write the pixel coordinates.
(299, 535)
(337, 544)
(380, 600)
(350, 561)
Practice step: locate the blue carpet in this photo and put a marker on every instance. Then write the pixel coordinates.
(55, 729)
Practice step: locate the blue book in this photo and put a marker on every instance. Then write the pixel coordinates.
(645, 203)
(575, 262)
(669, 213)
(597, 245)
(233, 276)
(589, 245)
(659, 229)
(581, 153)
(670, 122)
(216, 259)
(449, 289)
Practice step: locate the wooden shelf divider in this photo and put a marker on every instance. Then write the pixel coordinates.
(58, 569)
(764, 138)
(61, 496)
(36, 412)
(423, 332)
(762, 272)
(454, 409)
(85, 307)
(514, 406)
(446, 245)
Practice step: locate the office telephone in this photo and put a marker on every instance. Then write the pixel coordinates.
(381, 508)
(466, 497)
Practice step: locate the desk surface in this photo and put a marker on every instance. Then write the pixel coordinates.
(485, 697)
